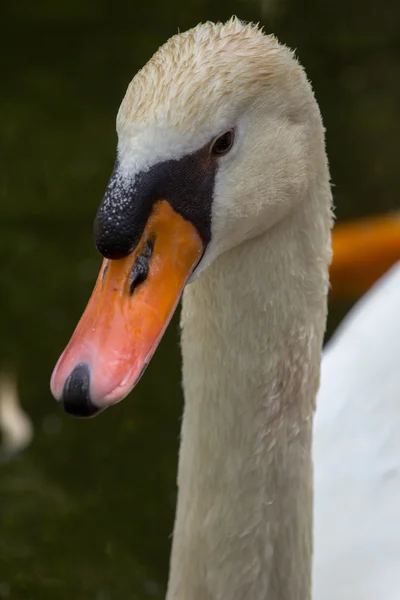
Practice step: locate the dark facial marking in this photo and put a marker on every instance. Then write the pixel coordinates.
(187, 184)
(141, 266)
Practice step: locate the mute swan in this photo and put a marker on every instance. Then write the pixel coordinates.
(221, 180)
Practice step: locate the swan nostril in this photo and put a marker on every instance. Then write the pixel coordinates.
(105, 271)
(141, 265)
(75, 398)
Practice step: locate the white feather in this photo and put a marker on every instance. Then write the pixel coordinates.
(357, 453)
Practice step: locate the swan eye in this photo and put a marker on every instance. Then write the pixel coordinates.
(223, 143)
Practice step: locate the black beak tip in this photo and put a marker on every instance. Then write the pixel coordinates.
(75, 399)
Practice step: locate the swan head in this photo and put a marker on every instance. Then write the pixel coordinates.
(219, 137)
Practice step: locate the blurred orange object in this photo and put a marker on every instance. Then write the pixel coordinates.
(363, 251)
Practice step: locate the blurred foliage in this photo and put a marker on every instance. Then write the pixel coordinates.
(87, 511)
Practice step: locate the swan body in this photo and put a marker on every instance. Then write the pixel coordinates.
(250, 227)
(356, 448)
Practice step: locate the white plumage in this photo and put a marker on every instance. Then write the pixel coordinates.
(357, 453)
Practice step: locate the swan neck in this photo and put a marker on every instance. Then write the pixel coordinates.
(252, 330)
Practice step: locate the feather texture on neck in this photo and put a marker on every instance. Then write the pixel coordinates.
(252, 329)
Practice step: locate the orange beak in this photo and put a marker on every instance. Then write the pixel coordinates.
(131, 305)
(362, 252)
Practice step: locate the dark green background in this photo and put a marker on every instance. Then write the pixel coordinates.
(87, 511)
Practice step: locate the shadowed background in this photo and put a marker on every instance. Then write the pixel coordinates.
(86, 512)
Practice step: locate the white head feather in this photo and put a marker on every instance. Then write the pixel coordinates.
(213, 78)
